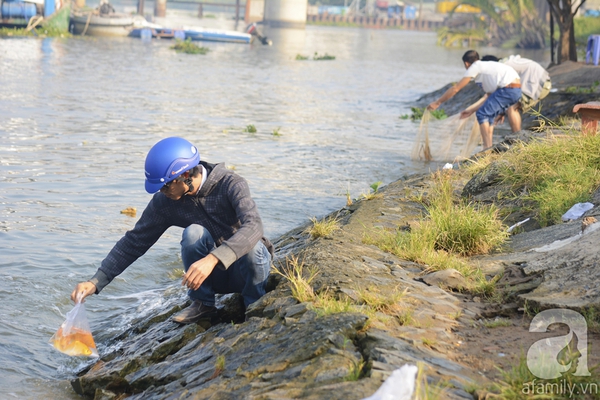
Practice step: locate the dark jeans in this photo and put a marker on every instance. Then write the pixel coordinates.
(497, 103)
(248, 275)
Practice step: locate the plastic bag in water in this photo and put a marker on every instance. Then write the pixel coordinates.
(74, 336)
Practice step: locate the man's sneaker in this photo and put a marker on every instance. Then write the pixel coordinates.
(194, 313)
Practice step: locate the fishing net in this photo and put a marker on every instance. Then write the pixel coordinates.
(451, 139)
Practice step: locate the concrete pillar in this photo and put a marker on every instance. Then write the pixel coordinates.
(160, 8)
(286, 13)
(255, 11)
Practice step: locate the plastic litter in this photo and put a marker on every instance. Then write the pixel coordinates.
(398, 386)
(512, 227)
(577, 211)
(448, 166)
(74, 336)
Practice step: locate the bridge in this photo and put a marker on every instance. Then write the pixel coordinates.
(278, 13)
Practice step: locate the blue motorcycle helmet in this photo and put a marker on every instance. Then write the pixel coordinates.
(167, 160)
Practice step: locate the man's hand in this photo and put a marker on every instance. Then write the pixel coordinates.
(81, 291)
(434, 105)
(199, 271)
(465, 114)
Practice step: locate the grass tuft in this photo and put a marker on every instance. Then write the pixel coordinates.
(324, 227)
(294, 271)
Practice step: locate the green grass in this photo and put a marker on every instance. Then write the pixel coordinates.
(518, 383)
(555, 173)
(428, 391)
(584, 27)
(451, 230)
(592, 318)
(299, 278)
(326, 303)
(322, 228)
(497, 323)
(578, 89)
(374, 191)
(356, 371)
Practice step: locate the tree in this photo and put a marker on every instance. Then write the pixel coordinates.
(563, 12)
(510, 23)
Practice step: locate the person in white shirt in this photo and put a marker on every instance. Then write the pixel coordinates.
(502, 87)
(535, 84)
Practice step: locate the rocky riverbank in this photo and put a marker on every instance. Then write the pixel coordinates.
(289, 349)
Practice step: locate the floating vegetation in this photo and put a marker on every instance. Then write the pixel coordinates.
(316, 57)
(417, 114)
(250, 129)
(186, 46)
(276, 131)
(325, 56)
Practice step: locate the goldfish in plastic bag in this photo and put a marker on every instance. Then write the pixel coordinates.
(74, 337)
(76, 343)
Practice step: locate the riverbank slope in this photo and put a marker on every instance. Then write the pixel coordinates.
(375, 312)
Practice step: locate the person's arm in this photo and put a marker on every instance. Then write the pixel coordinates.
(473, 107)
(449, 93)
(149, 228)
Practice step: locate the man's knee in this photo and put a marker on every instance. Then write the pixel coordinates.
(193, 233)
(260, 261)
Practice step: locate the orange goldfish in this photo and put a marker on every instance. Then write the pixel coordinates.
(75, 343)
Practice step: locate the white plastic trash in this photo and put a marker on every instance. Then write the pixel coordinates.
(577, 211)
(448, 166)
(398, 386)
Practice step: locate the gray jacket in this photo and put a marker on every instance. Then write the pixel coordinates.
(223, 206)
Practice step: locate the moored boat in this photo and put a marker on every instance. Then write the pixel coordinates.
(103, 21)
(216, 35)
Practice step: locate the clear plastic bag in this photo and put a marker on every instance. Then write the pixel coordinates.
(74, 336)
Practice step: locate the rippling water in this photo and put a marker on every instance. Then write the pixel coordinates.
(77, 117)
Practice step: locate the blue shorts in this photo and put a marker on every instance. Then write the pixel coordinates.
(497, 103)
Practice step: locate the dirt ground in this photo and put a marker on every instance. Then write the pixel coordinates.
(496, 349)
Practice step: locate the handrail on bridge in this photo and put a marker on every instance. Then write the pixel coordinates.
(237, 5)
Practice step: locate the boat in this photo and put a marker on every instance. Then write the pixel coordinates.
(102, 21)
(216, 35)
(157, 32)
(192, 33)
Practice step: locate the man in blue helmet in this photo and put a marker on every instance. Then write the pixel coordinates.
(222, 247)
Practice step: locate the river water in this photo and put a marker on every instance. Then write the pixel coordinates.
(77, 117)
